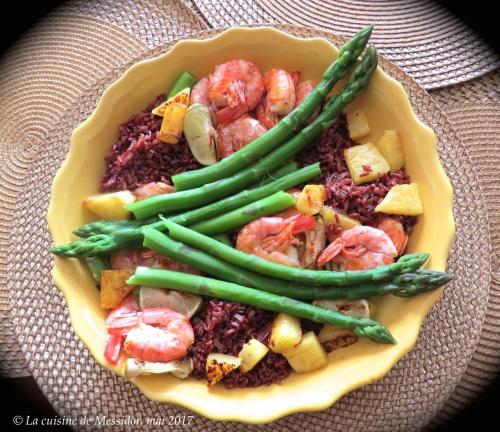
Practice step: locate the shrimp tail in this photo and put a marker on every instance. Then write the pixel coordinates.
(303, 223)
(113, 348)
(295, 78)
(228, 114)
(330, 252)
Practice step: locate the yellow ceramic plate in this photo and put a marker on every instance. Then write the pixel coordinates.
(386, 105)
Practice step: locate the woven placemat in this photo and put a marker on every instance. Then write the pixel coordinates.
(420, 36)
(474, 109)
(43, 76)
(406, 399)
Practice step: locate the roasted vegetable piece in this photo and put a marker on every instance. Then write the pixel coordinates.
(357, 123)
(110, 206)
(391, 148)
(332, 337)
(178, 368)
(402, 200)
(285, 333)
(308, 355)
(273, 138)
(365, 163)
(201, 134)
(330, 216)
(220, 365)
(185, 79)
(181, 97)
(173, 111)
(311, 199)
(114, 287)
(252, 353)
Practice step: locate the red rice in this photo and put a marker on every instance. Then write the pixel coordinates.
(139, 157)
(224, 327)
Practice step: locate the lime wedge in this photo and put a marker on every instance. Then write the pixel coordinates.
(184, 303)
(200, 134)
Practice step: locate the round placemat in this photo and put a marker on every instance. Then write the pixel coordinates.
(42, 77)
(406, 399)
(474, 109)
(420, 36)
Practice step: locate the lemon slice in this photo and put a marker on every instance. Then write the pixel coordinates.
(200, 134)
(184, 303)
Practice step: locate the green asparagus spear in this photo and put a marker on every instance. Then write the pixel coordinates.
(285, 128)
(414, 283)
(185, 79)
(406, 264)
(104, 239)
(280, 172)
(168, 203)
(96, 266)
(223, 238)
(363, 327)
(227, 222)
(194, 216)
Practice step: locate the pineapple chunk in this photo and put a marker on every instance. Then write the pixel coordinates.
(333, 337)
(365, 163)
(311, 199)
(391, 148)
(357, 123)
(110, 206)
(252, 353)
(402, 200)
(182, 97)
(220, 365)
(308, 355)
(174, 111)
(114, 287)
(330, 216)
(285, 333)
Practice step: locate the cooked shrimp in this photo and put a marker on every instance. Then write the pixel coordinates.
(236, 87)
(123, 318)
(151, 334)
(394, 229)
(152, 189)
(161, 336)
(132, 258)
(360, 248)
(279, 99)
(235, 135)
(199, 92)
(271, 237)
(303, 90)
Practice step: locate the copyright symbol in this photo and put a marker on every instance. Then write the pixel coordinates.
(17, 420)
